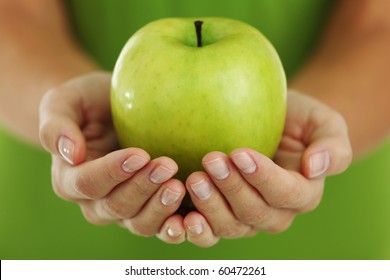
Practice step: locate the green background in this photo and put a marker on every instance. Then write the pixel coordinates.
(352, 221)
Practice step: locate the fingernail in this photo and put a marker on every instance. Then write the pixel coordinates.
(217, 168)
(66, 149)
(195, 229)
(170, 197)
(319, 163)
(161, 174)
(134, 163)
(244, 162)
(172, 233)
(201, 189)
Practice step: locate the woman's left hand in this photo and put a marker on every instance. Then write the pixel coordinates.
(245, 192)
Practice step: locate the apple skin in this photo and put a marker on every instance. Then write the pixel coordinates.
(172, 98)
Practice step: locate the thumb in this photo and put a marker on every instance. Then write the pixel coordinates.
(329, 151)
(62, 114)
(59, 130)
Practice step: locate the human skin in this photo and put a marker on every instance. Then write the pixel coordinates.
(76, 125)
(32, 35)
(360, 45)
(349, 71)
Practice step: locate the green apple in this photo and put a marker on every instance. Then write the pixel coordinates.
(184, 87)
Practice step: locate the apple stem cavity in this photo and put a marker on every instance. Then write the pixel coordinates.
(198, 28)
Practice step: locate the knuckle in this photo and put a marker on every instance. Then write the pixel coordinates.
(85, 187)
(207, 208)
(345, 157)
(116, 209)
(344, 152)
(47, 99)
(254, 217)
(140, 229)
(232, 187)
(143, 188)
(206, 243)
(111, 175)
(234, 230)
(159, 212)
(44, 134)
(252, 232)
(281, 226)
(59, 191)
(288, 198)
(57, 185)
(263, 180)
(339, 120)
(311, 206)
(91, 217)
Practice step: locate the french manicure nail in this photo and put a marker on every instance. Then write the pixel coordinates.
(134, 163)
(244, 162)
(217, 168)
(170, 197)
(201, 189)
(319, 163)
(195, 229)
(161, 174)
(66, 149)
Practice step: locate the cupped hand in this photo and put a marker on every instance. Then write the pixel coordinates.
(245, 192)
(110, 184)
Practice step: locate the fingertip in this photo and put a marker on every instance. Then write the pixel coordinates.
(168, 163)
(244, 161)
(173, 232)
(137, 151)
(172, 193)
(199, 187)
(164, 170)
(194, 223)
(66, 148)
(212, 156)
(255, 155)
(249, 161)
(318, 161)
(198, 231)
(134, 159)
(175, 185)
(72, 149)
(61, 136)
(316, 164)
(195, 177)
(242, 150)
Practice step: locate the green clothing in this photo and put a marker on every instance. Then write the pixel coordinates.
(352, 221)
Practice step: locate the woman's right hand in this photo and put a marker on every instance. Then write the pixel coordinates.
(110, 184)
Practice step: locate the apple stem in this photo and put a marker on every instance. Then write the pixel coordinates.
(198, 28)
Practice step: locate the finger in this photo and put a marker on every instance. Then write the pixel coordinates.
(163, 204)
(127, 199)
(198, 230)
(94, 179)
(213, 206)
(235, 189)
(323, 132)
(91, 216)
(329, 151)
(64, 110)
(279, 187)
(173, 231)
